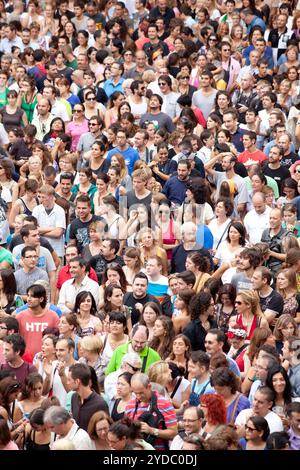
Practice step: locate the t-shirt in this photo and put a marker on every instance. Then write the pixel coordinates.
(20, 372)
(250, 158)
(241, 282)
(160, 120)
(32, 327)
(273, 301)
(99, 264)
(130, 156)
(278, 174)
(80, 232)
(130, 301)
(45, 260)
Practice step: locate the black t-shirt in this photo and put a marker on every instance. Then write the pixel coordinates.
(130, 301)
(18, 240)
(289, 159)
(99, 264)
(179, 255)
(279, 175)
(273, 301)
(79, 231)
(132, 199)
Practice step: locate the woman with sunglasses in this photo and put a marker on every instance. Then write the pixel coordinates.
(78, 125)
(184, 88)
(249, 314)
(111, 113)
(92, 107)
(257, 431)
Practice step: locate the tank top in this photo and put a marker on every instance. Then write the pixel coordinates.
(89, 329)
(26, 209)
(115, 416)
(30, 443)
(169, 238)
(255, 324)
(28, 108)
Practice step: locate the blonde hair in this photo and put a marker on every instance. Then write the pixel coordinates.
(92, 343)
(47, 189)
(251, 297)
(62, 444)
(282, 322)
(158, 371)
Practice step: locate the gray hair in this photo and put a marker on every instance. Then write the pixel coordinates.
(132, 358)
(56, 415)
(142, 378)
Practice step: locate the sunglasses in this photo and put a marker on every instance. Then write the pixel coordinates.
(161, 83)
(93, 124)
(297, 171)
(185, 78)
(135, 369)
(237, 302)
(90, 99)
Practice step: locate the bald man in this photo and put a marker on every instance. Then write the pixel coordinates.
(257, 219)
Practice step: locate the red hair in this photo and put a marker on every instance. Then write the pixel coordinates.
(216, 408)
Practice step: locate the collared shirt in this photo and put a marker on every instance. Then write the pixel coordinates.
(57, 219)
(294, 440)
(64, 275)
(69, 290)
(82, 411)
(78, 437)
(109, 87)
(147, 355)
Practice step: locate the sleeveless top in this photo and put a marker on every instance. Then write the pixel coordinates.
(26, 209)
(28, 108)
(255, 324)
(11, 120)
(169, 238)
(89, 329)
(30, 443)
(115, 416)
(25, 413)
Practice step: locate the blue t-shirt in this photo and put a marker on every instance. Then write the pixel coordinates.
(204, 237)
(130, 156)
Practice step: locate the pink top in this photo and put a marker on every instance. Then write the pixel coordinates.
(75, 131)
(11, 446)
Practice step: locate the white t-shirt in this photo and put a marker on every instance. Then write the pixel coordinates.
(274, 422)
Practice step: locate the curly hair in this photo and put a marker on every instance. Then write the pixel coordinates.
(199, 304)
(216, 408)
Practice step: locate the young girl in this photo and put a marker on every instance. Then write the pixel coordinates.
(290, 222)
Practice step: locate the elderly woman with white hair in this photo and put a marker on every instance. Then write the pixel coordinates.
(189, 243)
(131, 362)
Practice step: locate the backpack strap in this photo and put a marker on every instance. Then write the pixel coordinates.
(176, 387)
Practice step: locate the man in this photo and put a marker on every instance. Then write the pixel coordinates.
(265, 52)
(29, 273)
(79, 20)
(108, 254)
(59, 421)
(93, 13)
(257, 219)
(79, 229)
(278, 130)
(250, 259)
(230, 65)
(159, 407)
(84, 402)
(139, 194)
(162, 11)
(251, 154)
(274, 168)
(31, 237)
(161, 120)
(79, 282)
(170, 105)
(262, 404)
(278, 37)
(136, 299)
(38, 72)
(43, 119)
(228, 165)
(158, 285)
(293, 413)
(8, 326)
(36, 318)
(51, 219)
(274, 236)
(154, 42)
(289, 157)
(141, 66)
(58, 108)
(188, 244)
(271, 302)
(56, 373)
(130, 154)
(11, 39)
(262, 365)
(185, 280)
(137, 100)
(63, 193)
(140, 144)
(230, 122)
(192, 424)
(242, 99)
(13, 349)
(252, 20)
(115, 82)
(131, 363)
(176, 186)
(198, 367)
(137, 344)
(205, 97)
(87, 139)
(290, 351)
(214, 342)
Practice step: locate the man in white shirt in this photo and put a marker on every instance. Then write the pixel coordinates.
(262, 403)
(79, 282)
(192, 424)
(11, 39)
(51, 219)
(59, 421)
(257, 220)
(170, 105)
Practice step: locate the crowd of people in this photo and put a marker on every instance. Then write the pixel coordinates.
(149, 225)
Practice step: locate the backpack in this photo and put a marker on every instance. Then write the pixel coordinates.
(154, 418)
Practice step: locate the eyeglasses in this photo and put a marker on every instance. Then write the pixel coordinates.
(161, 83)
(258, 367)
(90, 99)
(77, 110)
(226, 50)
(189, 421)
(128, 53)
(93, 124)
(249, 429)
(212, 39)
(135, 369)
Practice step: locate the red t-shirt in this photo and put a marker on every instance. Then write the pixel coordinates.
(64, 275)
(32, 327)
(249, 158)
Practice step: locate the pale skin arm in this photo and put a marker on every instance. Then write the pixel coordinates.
(248, 381)
(165, 434)
(55, 258)
(51, 275)
(15, 210)
(14, 194)
(52, 232)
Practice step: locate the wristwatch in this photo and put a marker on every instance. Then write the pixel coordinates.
(156, 432)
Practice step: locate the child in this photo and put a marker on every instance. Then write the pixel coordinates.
(290, 222)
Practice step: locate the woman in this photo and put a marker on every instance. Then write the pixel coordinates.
(123, 396)
(150, 247)
(257, 432)
(7, 182)
(9, 390)
(132, 265)
(163, 334)
(201, 308)
(28, 58)
(27, 99)
(97, 160)
(199, 265)
(68, 325)
(123, 108)
(289, 190)
(113, 274)
(150, 313)
(34, 170)
(278, 381)
(91, 348)
(287, 287)
(92, 107)
(70, 32)
(284, 98)
(50, 24)
(115, 337)
(214, 409)
(249, 314)
(96, 237)
(63, 85)
(285, 327)
(6, 442)
(181, 351)
(167, 228)
(237, 339)
(78, 126)
(220, 224)
(183, 318)
(291, 54)
(82, 39)
(86, 309)
(31, 396)
(232, 245)
(198, 193)
(213, 123)
(114, 186)
(98, 429)
(178, 387)
(237, 41)
(9, 300)
(227, 385)
(57, 127)
(111, 114)
(225, 307)
(290, 220)
(184, 88)
(85, 185)
(37, 434)
(113, 302)
(118, 160)
(109, 210)
(100, 193)
(47, 354)
(12, 115)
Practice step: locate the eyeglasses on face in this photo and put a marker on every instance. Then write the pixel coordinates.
(93, 124)
(90, 99)
(161, 83)
(249, 429)
(77, 110)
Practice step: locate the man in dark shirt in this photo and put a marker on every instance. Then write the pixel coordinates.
(109, 250)
(175, 188)
(84, 402)
(162, 11)
(289, 157)
(274, 168)
(274, 236)
(154, 42)
(136, 299)
(13, 348)
(271, 302)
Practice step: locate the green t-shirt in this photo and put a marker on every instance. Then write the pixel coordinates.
(6, 255)
(116, 360)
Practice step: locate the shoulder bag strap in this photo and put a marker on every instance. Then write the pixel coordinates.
(234, 409)
(145, 362)
(223, 234)
(176, 388)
